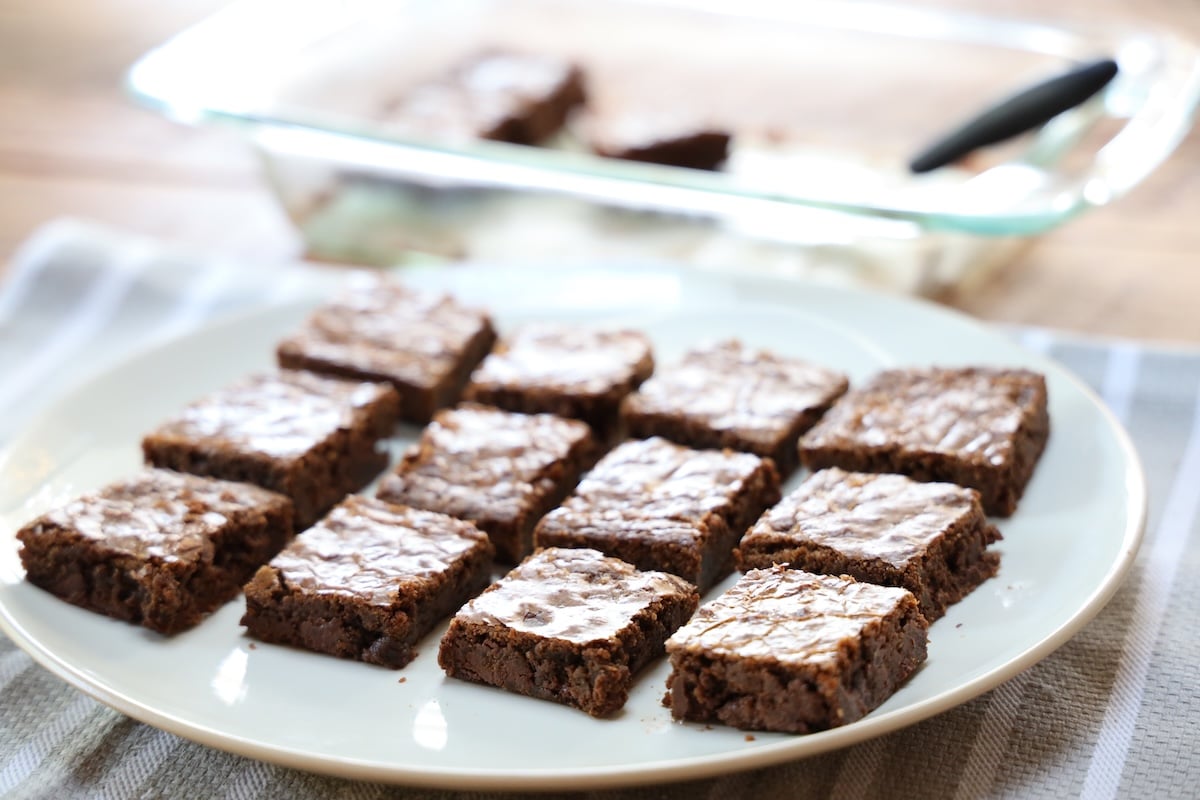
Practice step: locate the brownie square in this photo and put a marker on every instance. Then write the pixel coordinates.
(786, 650)
(368, 581)
(423, 344)
(661, 506)
(501, 470)
(563, 370)
(725, 395)
(929, 538)
(657, 138)
(979, 427)
(311, 438)
(503, 96)
(570, 626)
(160, 549)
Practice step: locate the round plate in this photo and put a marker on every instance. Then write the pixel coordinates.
(1064, 553)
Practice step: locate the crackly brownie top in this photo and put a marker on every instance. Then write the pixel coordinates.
(653, 487)
(281, 415)
(968, 412)
(578, 595)
(479, 95)
(477, 462)
(378, 325)
(787, 615)
(157, 514)
(888, 517)
(725, 386)
(373, 551)
(568, 360)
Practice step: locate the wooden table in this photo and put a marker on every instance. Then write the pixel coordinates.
(72, 144)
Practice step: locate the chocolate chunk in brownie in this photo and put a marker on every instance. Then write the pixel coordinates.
(423, 344)
(567, 625)
(979, 427)
(725, 395)
(504, 96)
(657, 138)
(368, 581)
(661, 506)
(564, 370)
(311, 438)
(929, 538)
(786, 650)
(501, 470)
(160, 549)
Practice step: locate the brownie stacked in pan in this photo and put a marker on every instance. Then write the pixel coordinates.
(613, 541)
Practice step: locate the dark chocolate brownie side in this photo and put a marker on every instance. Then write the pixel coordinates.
(379, 613)
(570, 626)
(929, 538)
(342, 461)
(424, 344)
(777, 672)
(501, 470)
(140, 579)
(680, 533)
(838, 440)
(566, 371)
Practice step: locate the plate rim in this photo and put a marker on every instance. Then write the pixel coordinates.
(659, 772)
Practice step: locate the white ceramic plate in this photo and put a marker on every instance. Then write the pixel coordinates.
(1064, 553)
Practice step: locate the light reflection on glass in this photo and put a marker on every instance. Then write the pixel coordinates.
(229, 683)
(429, 728)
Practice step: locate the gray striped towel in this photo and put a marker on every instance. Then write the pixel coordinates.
(1113, 713)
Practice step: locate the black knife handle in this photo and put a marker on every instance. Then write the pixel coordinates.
(1024, 111)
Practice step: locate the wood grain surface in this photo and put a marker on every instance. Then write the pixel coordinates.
(72, 143)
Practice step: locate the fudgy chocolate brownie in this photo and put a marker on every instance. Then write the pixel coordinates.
(311, 438)
(657, 139)
(786, 650)
(661, 506)
(569, 371)
(727, 395)
(929, 538)
(160, 549)
(504, 96)
(570, 626)
(501, 470)
(424, 344)
(979, 427)
(368, 581)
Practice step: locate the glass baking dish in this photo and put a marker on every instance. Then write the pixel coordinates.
(827, 101)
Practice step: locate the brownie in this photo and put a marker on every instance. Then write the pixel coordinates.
(570, 626)
(979, 427)
(786, 650)
(503, 96)
(661, 506)
(368, 581)
(657, 139)
(725, 395)
(424, 344)
(569, 371)
(160, 549)
(929, 538)
(311, 438)
(501, 470)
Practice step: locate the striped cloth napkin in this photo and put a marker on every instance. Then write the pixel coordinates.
(1113, 713)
